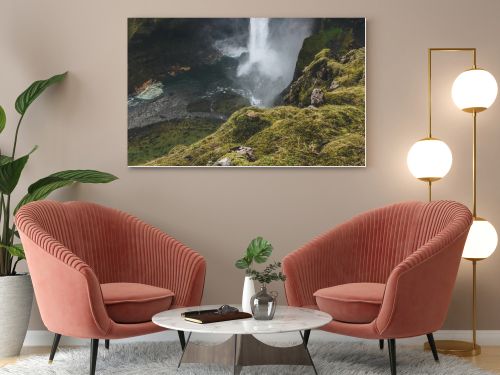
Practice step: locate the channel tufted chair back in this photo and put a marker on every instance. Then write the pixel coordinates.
(369, 246)
(117, 246)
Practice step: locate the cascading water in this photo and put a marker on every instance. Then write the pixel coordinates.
(272, 50)
(258, 48)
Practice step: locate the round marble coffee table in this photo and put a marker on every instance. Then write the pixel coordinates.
(242, 348)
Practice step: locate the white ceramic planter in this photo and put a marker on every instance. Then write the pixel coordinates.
(248, 292)
(16, 298)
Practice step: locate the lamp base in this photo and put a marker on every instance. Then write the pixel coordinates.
(456, 348)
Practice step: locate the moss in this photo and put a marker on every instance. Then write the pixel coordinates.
(299, 140)
(249, 123)
(286, 136)
(153, 141)
(345, 150)
(315, 43)
(328, 74)
(346, 95)
(353, 72)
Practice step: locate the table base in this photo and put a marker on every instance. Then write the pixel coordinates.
(246, 350)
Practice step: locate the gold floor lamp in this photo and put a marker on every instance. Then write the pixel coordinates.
(430, 159)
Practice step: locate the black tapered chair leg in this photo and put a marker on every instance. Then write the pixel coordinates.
(106, 344)
(94, 346)
(307, 333)
(55, 344)
(381, 344)
(392, 355)
(182, 339)
(432, 344)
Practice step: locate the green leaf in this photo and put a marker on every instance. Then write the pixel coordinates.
(43, 187)
(15, 250)
(86, 176)
(259, 250)
(42, 193)
(36, 88)
(10, 172)
(3, 119)
(242, 263)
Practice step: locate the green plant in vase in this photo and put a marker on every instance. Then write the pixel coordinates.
(16, 292)
(258, 251)
(262, 305)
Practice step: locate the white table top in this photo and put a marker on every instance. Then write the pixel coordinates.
(286, 319)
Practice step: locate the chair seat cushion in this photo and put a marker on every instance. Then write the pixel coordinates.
(135, 303)
(351, 303)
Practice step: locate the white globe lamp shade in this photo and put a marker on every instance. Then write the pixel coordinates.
(429, 159)
(481, 241)
(474, 90)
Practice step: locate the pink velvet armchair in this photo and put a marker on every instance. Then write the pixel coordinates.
(385, 274)
(99, 273)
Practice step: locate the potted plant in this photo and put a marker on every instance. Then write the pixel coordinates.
(258, 251)
(16, 291)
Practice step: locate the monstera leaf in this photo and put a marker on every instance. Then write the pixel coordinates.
(258, 250)
(43, 187)
(31, 93)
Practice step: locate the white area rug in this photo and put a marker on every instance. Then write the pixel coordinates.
(161, 358)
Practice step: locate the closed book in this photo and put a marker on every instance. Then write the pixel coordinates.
(196, 313)
(210, 317)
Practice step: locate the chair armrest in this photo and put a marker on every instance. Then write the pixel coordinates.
(165, 262)
(321, 263)
(66, 289)
(419, 289)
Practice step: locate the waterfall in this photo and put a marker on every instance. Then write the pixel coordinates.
(272, 50)
(258, 47)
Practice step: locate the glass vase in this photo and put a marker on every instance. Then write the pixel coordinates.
(263, 304)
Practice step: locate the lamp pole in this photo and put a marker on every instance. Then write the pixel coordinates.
(475, 347)
(454, 347)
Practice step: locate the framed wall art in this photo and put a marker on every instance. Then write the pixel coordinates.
(246, 92)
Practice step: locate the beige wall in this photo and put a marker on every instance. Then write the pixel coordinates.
(82, 124)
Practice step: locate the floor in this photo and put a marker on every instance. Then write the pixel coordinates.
(488, 360)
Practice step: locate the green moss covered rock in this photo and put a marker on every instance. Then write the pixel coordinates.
(280, 136)
(344, 150)
(342, 81)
